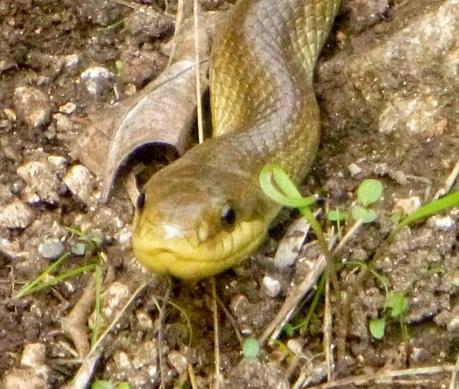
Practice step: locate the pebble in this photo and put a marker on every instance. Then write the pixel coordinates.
(408, 204)
(178, 361)
(271, 286)
(51, 249)
(72, 62)
(80, 182)
(63, 123)
(354, 169)
(42, 183)
(115, 295)
(16, 215)
(97, 80)
(32, 106)
(442, 223)
(68, 108)
(60, 163)
(79, 249)
(34, 354)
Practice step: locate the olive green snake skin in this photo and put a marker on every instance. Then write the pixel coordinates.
(205, 212)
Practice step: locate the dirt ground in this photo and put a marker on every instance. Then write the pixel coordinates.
(48, 50)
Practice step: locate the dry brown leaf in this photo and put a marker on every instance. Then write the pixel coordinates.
(162, 113)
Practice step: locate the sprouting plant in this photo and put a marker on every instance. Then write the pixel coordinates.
(250, 349)
(394, 309)
(102, 384)
(50, 277)
(434, 207)
(369, 192)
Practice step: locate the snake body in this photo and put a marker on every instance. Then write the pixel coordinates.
(205, 212)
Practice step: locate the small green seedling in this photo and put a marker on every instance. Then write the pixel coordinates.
(103, 384)
(394, 308)
(369, 192)
(434, 207)
(251, 349)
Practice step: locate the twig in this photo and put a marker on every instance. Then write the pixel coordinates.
(274, 328)
(449, 182)
(231, 319)
(178, 25)
(327, 331)
(384, 375)
(83, 376)
(74, 324)
(216, 333)
(162, 315)
(192, 376)
(453, 382)
(198, 72)
(352, 231)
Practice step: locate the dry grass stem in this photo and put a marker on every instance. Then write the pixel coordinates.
(232, 320)
(383, 376)
(162, 315)
(327, 331)
(450, 180)
(198, 72)
(84, 374)
(216, 333)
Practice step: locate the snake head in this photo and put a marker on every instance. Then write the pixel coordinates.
(194, 221)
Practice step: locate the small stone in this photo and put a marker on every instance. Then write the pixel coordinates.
(271, 286)
(63, 123)
(68, 108)
(51, 249)
(42, 182)
(10, 114)
(10, 249)
(294, 346)
(71, 62)
(442, 223)
(34, 354)
(80, 182)
(97, 80)
(115, 295)
(78, 249)
(16, 215)
(407, 205)
(354, 169)
(32, 106)
(144, 320)
(178, 361)
(60, 163)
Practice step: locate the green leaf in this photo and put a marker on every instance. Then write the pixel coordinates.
(289, 330)
(363, 214)
(286, 194)
(337, 216)
(377, 327)
(123, 385)
(398, 303)
(369, 191)
(102, 384)
(251, 348)
(432, 208)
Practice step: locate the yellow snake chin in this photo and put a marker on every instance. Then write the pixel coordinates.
(186, 259)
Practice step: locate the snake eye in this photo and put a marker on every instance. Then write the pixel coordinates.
(228, 217)
(140, 203)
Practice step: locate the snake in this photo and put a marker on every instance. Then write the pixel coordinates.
(205, 212)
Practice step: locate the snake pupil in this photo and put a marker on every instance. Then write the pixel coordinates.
(140, 201)
(228, 217)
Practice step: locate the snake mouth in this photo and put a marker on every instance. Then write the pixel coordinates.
(181, 259)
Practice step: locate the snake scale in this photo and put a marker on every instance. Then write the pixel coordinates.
(205, 212)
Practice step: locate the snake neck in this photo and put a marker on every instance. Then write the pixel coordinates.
(264, 57)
